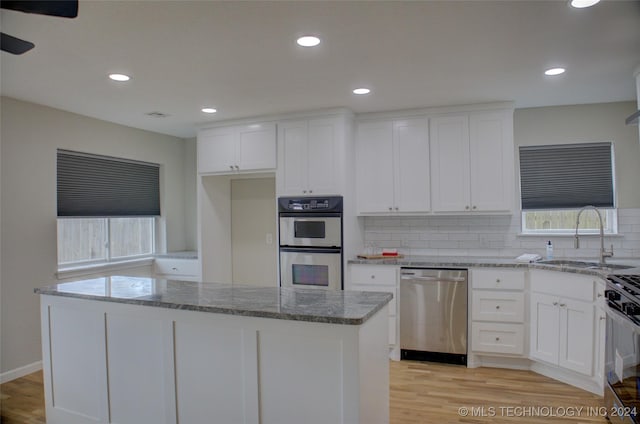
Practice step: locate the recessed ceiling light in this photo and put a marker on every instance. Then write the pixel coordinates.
(209, 110)
(119, 77)
(308, 41)
(554, 71)
(581, 4)
(361, 91)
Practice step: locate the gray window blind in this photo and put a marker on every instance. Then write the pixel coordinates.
(91, 185)
(566, 176)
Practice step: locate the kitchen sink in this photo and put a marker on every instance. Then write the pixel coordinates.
(583, 264)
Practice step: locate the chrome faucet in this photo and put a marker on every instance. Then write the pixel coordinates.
(603, 253)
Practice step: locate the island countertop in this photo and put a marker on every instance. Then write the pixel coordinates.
(322, 306)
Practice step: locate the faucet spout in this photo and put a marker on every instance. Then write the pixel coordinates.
(603, 252)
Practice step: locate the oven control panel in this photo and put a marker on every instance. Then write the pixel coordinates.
(310, 204)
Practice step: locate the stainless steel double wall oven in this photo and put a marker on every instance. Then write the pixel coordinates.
(311, 242)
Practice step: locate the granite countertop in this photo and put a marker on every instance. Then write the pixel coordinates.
(323, 306)
(492, 262)
(185, 254)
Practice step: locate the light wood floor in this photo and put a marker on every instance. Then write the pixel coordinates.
(421, 393)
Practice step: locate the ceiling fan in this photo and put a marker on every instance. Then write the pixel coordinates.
(60, 8)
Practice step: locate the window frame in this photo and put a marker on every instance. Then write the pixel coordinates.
(108, 260)
(610, 229)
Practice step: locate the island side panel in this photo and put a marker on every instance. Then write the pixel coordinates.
(74, 361)
(373, 362)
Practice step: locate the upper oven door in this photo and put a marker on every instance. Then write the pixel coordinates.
(311, 231)
(622, 362)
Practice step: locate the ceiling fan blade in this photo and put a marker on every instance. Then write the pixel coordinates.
(14, 45)
(61, 8)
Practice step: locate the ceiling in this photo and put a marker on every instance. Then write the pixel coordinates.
(241, 57)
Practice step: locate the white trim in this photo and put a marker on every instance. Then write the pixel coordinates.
(20, 372)
(104, 267)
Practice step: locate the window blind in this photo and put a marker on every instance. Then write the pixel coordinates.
(92, 185)
(566, 176)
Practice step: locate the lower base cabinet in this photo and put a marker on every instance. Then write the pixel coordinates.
(127, 364)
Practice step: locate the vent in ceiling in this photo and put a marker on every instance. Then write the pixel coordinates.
(157, 114)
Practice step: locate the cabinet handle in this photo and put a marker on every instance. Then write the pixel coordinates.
(497, 306)
(373, 277)
(467, 207)
(497, 339)
(231, 166)
(603, 317)
(174, 269)
(555, 303)
(304, 191)
(475, 207)
(390, 208)
(237, 168)
(310, 191)
(498, 280)
(562, 305)
(397, 208)
(599, 295)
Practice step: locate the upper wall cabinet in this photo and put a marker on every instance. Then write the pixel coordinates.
(392, 166)
(240, 148)
(472, 162)
(311, 156)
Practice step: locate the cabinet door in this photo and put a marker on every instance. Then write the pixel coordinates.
(322, 150)
(576, 336)
(450, 164)
(491, 161)
(374, 167)
(545, 327)
(257, 146)
(411, 165)
(292, 158)
(217, 150)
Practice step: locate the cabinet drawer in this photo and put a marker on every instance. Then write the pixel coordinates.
(489, 305)
(374, 274)
(373, 288)
(171, 266)
(564, 284)
(498, 338)
(494, 278)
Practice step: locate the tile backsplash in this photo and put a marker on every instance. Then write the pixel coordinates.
(493, 236)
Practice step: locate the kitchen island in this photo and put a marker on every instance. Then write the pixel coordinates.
(143, 350)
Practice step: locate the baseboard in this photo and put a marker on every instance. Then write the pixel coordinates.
(20, 372)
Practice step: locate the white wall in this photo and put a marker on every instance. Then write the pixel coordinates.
(190, 194)
(30, 136)
(499, 235)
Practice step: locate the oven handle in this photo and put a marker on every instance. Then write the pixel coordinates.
(330, 250)
(317, 215)
(621, 318)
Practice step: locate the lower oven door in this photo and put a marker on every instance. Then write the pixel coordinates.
(311, 268)
(622, 368)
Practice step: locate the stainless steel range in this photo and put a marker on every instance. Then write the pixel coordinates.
(622, 350)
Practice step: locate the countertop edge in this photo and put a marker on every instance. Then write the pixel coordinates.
(223, 310)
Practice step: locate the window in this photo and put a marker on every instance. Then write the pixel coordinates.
(106, 208)
(94, 241)
(556, 181)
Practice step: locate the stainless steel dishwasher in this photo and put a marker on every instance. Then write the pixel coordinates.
(433, 314)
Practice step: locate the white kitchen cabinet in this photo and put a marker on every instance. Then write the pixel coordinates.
(392, 166)
(381, 278)
(563, 325)
(177, 269)
(472, 162)
(239, 148)
(498, 312)
(311, 156)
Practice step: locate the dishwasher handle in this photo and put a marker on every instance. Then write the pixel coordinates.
(444, 280)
